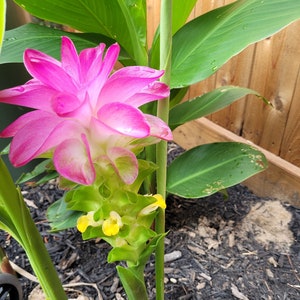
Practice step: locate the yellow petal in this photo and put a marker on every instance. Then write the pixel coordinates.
(82, 223)
(110, 228)
(87, 220)
(112, 225)
(160, 202)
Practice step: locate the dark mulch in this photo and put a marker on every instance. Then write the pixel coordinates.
(209, 256)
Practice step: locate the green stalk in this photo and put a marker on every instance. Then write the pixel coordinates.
(16, 219)
(161, 152)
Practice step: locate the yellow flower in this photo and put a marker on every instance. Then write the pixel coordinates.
(87, 220)
(112, 225)
(160, 202)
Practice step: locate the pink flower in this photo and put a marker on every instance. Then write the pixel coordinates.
(84, 114)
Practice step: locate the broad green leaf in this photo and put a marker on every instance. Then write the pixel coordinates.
(132, 283)
(206, 104)
(123, 21)
(207, 169)
(2, 20)
(61, 218)
(180, 12)
(45, 39)
(203, 45)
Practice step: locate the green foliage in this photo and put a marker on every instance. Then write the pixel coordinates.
(207, 169)
(45, 39)
(203, 45)
(60, 217)
(15, 219)
(43, 172)
(133, 284)
(180, 14)
(132, 276)
(123, 21)
(207, 103)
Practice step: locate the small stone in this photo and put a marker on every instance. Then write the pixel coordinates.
(173, 280)
(172, 256)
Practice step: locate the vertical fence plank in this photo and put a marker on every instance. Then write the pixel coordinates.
(290, 146)
(272, 68)
(274, 75)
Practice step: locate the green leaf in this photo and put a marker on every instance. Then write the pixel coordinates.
(180, 12)
(206, 169)
(123, 21)
(61, 218)
(124, 253)
(5, 151)
(132, 283)
(203, 45)
(11, 206)
(39, 169)
(45, 39)
(177, 95)
(150, 248)
(207, 103)
(2, 20)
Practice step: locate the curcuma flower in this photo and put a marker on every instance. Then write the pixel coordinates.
(84, 114)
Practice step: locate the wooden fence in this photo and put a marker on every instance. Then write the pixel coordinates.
(270, 67)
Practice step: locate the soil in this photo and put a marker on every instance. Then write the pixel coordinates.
(242, 247)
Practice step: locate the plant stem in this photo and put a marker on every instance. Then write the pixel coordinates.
(161, 152)
(17, 220)
(39, 258)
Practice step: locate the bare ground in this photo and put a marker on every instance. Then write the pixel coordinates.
(244, 247)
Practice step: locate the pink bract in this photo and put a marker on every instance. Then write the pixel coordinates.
(84, 113)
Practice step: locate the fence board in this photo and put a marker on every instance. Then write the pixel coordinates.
(272, 68)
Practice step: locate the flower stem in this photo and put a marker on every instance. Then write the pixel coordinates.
(161, 152)
(15, 219)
